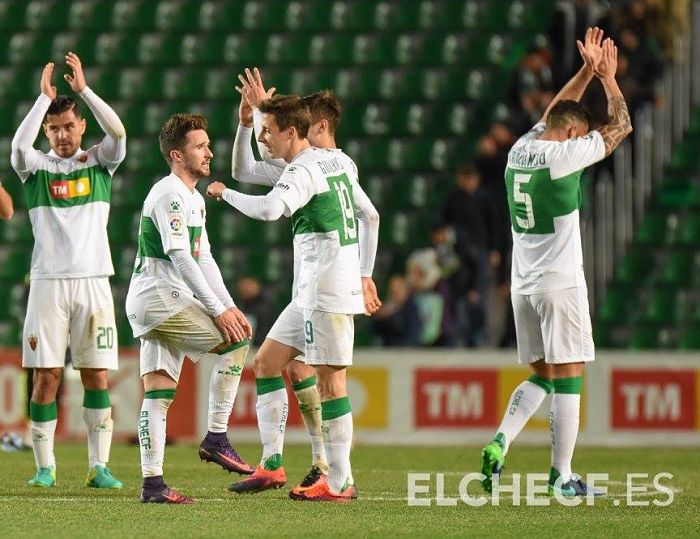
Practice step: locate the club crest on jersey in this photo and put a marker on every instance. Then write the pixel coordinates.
(32, 340)
(62, 189)
(176, 226)
(83, 157)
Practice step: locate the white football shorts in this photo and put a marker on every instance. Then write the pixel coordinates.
(325, 338)
(70, 312)
(554, 325)
(191, 332)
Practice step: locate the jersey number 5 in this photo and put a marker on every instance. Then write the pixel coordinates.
(528, 221)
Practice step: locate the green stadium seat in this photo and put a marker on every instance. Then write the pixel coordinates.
(330, 49)
(82, 44)
(182, 84)
(270, 265)
(617, 305)
(653, 230)
(220, 15)
(413, 119)
(678, 270)
(661, 307)
(14, 261)
(219, 84)
(104, 81)
(88, 15)
(144, 155)
(351, 15)
(157, 47)
(373, 49)
(263, 15)
(129, 15)
(10, 333)
(409, 154)
(307, 81)
(287, 49)
(376, 187)
(123, 227)
(362, 85)
(399, 84)
(175, 15)
(140, 83)
(18, 83)
(408, 194)
(634, 268)
(392, 16)
(31, 48)
(645, 337)
(690, 231)
(12, 15)
(685, 156)
(690, 338)
(115, 49)
(243, 50)
(123, 261)
(155, 114)
(46, 15)
(309, 15)
(201, 49)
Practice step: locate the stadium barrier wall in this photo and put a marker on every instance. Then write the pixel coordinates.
(414, 396)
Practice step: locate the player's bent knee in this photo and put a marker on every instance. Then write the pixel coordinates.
(331, 382)
(94, 378)
(298, 371)
(158, 380)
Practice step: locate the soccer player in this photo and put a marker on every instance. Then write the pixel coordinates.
(335, 239)
(70, 301)
(325, 116)
(550, 300)
(178, 306)
(7, 209)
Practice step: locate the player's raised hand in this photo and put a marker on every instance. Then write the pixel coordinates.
(608, 64)
(255, 89)
(46, 87)
(371, 297)
(591, 49)
(215, 190)
(245, 111)
(77, 80)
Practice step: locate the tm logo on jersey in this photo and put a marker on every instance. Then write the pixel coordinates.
(62, 189)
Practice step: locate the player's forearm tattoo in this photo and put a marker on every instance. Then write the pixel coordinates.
(619, 126)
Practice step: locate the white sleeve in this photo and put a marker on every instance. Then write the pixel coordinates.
(294, 188)
(24, 157)
(264, 208)
(257, 126)
(582, 152)
(368, 230)
(212, 275)
(112, 150)
(191, 273)
(245, 168)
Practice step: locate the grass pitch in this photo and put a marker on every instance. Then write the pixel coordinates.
(71, 510)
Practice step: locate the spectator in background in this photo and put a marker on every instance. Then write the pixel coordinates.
(433, 297)
(256, 307)
(398, 321)
(469, 208)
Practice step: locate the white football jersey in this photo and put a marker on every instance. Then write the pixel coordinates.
(544, 197)
(317, 189)
(68, 201)
(173, 217)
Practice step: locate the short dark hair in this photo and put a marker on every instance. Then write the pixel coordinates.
(324, 105)
(175, 129)
(565, 111)
(468, 169)
(289, 111)
(62, 104)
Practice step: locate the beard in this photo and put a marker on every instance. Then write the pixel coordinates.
(200, 170)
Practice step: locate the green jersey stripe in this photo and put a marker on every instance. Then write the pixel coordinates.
(77, 188)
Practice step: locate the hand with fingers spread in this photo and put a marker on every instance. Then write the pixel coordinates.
(245, 111)
(607, 67)
(252, 87)
(215, 190)
(46, 87)
(233, 325)
(77, 80)
(371, 297)
(591, 50)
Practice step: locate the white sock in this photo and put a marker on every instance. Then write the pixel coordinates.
(523, 403)
(43, 433)
(337, 435)
(223, 386)
(310, 408)
(99, 426)
(564, 421)
(272, 409)
(151, 430)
